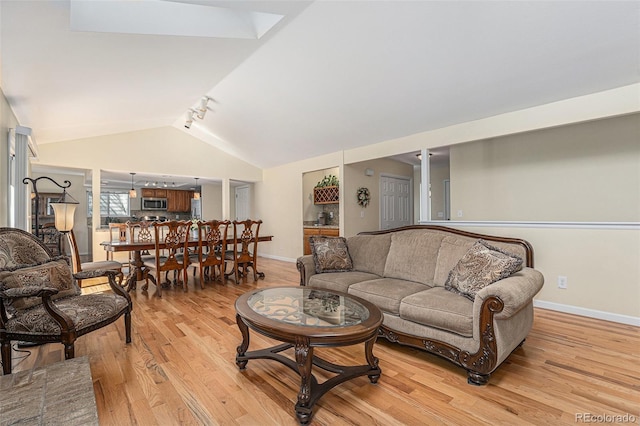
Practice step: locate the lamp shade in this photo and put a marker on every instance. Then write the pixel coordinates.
(64, 213)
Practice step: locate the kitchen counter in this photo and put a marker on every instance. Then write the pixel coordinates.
(321, 226)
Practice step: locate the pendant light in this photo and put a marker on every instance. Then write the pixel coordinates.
(132, 191)
(196, 193)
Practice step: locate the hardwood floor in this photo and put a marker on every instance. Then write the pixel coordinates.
(180, 369)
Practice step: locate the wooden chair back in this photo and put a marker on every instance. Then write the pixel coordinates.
(171, 239)
(245, 246)
(78, 266)
(212, 245)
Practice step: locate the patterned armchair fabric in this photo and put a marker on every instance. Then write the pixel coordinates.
(41, 301)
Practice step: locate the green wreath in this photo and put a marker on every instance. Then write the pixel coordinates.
(363, 197)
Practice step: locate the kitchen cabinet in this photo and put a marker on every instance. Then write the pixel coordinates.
(317, 230)
(154, 192)
(179, 201)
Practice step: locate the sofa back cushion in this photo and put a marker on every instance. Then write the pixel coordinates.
(413, 255)
(330, 254)
(54, 274)
(452, 249)
(369, 252)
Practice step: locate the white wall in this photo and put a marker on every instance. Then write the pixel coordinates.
(277, 197)
(211, 197)
(585, 172)
(593, 260)
(7, 121)
(163, 150)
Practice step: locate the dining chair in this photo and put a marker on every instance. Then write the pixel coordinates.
(117, 232)
(212, 243)
(79, 266)
(171, 243)
(244, 252)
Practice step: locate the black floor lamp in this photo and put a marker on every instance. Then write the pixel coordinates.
(63, 209)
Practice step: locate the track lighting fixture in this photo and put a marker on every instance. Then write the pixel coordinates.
(146, 183)
(132, 191)
(189, 118)
(164, 184)
(196, 193)
(202, 109)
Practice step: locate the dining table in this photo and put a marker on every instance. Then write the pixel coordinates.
(136, 273)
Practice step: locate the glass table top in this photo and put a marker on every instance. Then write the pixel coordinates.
(308, 307)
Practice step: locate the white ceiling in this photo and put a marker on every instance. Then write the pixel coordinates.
(330, 75)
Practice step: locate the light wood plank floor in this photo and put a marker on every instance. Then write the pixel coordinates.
(180, 369)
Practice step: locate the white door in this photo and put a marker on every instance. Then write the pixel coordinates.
(242, 203)
(395, 202)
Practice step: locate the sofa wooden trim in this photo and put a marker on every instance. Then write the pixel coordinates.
(480, 364)
(525, 244)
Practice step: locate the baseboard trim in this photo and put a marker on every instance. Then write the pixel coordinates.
(284, 259)
(590, 313)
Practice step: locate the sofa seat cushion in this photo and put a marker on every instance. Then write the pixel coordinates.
(386, 293)
(339, 281)
(441, 309)
(108, 265)
(86, 312)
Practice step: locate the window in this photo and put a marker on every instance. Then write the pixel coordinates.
(112, 204)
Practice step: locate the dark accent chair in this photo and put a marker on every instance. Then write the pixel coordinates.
(40, 300)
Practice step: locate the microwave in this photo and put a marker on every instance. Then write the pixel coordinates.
(154, 204)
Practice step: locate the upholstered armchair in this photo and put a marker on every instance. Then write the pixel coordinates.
(41, 302)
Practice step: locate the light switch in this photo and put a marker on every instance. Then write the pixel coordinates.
(459, 213)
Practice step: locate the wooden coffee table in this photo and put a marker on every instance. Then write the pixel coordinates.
(305, 318)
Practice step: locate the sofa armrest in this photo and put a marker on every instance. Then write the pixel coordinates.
(515, 291)
(306, 267)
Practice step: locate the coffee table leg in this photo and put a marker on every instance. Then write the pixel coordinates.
(372, 360)
(304, 360)
(242, 349)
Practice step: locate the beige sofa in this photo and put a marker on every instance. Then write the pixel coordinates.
(403, 271)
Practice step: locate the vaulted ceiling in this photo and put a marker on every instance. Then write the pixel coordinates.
(295, 79)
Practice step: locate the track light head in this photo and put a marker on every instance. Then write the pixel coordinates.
(202, 109)
(189, 118)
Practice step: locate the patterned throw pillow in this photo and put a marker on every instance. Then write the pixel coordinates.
(481, 266)
(54, 274)
(330, 254)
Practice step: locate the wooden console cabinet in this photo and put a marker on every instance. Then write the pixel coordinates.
(308, 232)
